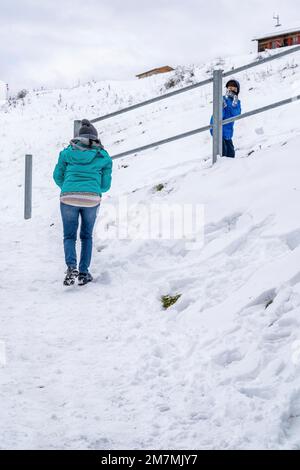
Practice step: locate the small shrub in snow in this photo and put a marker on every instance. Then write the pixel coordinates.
(21, 94)
(182, 75)
(159, 187)
(170, 83)
(169, 300)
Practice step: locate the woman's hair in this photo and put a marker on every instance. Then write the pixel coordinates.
(97, 141)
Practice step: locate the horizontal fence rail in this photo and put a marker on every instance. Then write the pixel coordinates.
(207, 128)
(262, 110)
(152, 100)
(262, 61)
(162, 142)
(196, 85)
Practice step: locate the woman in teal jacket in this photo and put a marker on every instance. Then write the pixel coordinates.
(83, 173)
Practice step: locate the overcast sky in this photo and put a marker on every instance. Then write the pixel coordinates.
(56, 43)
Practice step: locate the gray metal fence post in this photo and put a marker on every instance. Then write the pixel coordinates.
(217, 114)
(28, 187)
(77, 125)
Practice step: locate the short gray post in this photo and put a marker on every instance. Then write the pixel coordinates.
(77, 125)
(218, 115)
(28, 187)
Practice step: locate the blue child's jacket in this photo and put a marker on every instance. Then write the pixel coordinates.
(228, 111)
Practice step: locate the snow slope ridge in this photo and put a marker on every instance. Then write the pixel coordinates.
(105, 367)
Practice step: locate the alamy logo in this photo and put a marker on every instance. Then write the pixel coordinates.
(152, 221)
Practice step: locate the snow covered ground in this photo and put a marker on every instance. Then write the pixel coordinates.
(104, 366)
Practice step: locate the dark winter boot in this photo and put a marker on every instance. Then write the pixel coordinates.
(71, 275)
(84, 278)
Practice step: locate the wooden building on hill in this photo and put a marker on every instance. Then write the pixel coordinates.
(278, 38)
(156, 71)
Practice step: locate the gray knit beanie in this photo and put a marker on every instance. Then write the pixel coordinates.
(87, 130)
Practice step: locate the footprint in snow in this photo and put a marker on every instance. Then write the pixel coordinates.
(227, 357)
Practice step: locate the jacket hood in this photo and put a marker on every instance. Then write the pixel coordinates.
(236, 83)
(79, 150)
(83, 143)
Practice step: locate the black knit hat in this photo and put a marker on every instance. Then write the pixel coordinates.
(234, 83)
(87, 130)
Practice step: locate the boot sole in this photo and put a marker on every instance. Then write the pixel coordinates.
(69, 282)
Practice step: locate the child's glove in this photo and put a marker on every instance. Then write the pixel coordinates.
(224, 102)
(229, 94)
(235, 101)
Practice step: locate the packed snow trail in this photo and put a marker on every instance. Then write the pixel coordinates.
(112, 370)
(104, 366)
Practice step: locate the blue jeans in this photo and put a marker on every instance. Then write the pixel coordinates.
(70, 219)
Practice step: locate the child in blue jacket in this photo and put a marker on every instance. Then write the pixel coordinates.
(232, 107)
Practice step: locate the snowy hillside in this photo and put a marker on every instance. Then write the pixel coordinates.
(105, 366)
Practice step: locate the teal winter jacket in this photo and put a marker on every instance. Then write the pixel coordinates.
(83, 170)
